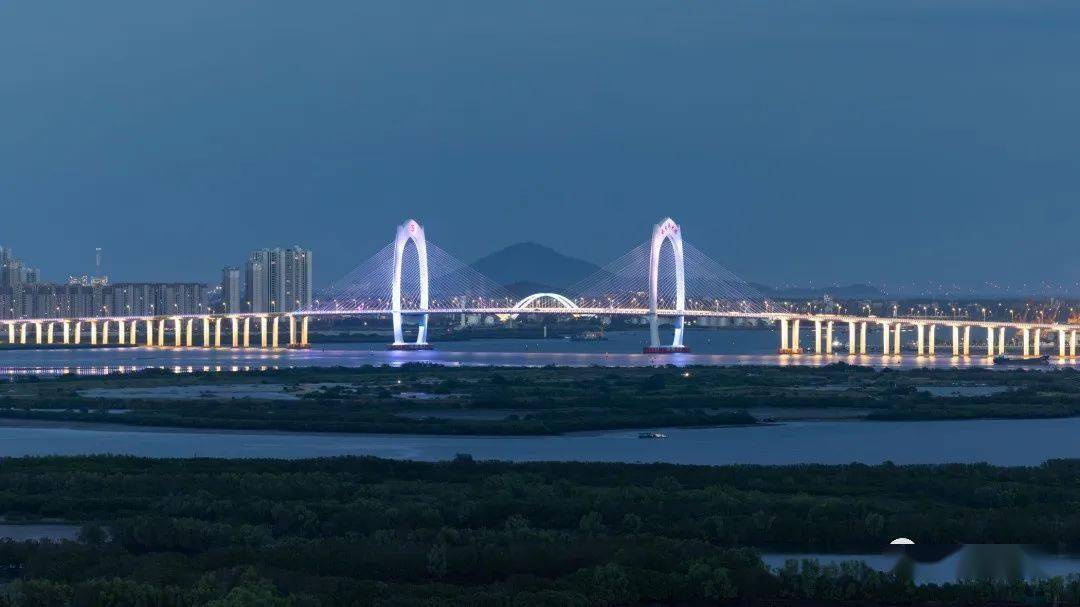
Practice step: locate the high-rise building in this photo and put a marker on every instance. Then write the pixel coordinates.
(278, 280)
(11, 269)
(256, 281)
(231, 295)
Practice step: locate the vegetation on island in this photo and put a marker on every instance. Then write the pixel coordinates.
(427, 399)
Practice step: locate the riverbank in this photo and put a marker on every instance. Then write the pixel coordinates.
(347, 531)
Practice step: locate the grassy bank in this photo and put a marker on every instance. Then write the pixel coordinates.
(426, 399)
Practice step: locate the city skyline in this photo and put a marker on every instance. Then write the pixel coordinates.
(913, 289)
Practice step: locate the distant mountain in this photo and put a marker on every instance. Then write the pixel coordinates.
(528, 265)
(527, 287)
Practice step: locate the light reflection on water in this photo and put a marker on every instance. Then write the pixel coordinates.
(622, 348)
(971, 562)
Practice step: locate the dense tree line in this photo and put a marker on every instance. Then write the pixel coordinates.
(348, 531)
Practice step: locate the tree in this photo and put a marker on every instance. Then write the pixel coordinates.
(436, 561)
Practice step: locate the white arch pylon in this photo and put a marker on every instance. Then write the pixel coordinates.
(666, 230)
(527, 302)
(410, 230)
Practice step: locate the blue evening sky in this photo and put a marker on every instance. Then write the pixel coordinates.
(796, 141)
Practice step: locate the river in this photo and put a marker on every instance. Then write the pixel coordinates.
(1002, 442)
(620, 349)
(1013, 442)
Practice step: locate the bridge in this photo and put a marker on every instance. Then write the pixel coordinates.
(664, 279)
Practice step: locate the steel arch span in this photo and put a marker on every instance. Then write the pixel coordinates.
(410, 230)
(667, 231)
(526, 303)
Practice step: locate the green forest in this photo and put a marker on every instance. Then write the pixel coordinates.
(365, 531)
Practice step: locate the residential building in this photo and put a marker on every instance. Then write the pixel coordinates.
(278, 280)
(231, 294)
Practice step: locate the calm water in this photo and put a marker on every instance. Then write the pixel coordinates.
(1010, 442)
(971, 562)
(1003, 442)
(622, 348)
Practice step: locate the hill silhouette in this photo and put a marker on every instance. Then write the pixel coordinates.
(529, 265)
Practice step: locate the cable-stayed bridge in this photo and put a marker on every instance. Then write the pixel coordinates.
(664, 279)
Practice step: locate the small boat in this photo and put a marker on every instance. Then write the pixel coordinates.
(652, 435)
(1022, 360)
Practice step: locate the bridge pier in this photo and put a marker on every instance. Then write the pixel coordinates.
(920, 344)
(655, 347)
(828, 337)
(1001, 341)
(932, 341)
(885, 333)
(421, 342)
(1037, 343)
(206, 331)
(817, 336)
(789, 338)
(989, 342)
